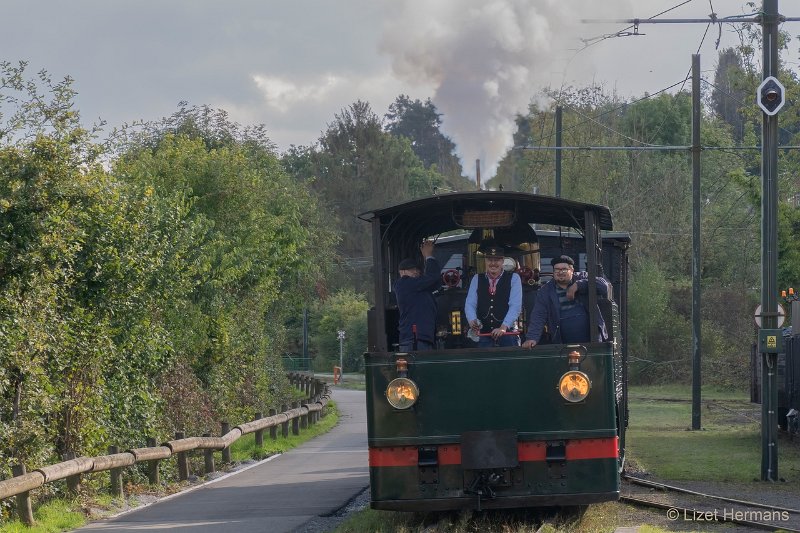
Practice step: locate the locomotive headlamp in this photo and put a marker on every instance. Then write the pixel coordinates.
(574, 386)
(402, 393)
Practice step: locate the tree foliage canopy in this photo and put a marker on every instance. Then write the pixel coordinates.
(180, 246)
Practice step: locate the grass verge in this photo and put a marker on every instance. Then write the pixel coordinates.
(245, 448)
(726, 449)
(56, 515)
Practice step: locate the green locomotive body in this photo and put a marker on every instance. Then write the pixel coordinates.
(495, 427)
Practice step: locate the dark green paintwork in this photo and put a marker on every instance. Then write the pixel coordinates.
(484, 390)
(479, 390)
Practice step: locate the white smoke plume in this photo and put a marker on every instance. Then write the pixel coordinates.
(487, 60)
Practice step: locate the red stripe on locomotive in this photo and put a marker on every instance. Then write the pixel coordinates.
(450, 454)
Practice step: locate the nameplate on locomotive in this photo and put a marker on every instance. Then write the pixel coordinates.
(482, 450)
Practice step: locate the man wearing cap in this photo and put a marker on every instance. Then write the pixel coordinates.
(415, 301)
(494, 299)
(566, 318)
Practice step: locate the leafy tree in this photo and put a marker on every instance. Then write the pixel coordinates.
(655, 330)
(258, 263)
(586, 175)
(649, 194)
(85, 263)
(420, 123)
(356, 167)
(344, 310)
(748, 78)
(665, 119)
(729, 93)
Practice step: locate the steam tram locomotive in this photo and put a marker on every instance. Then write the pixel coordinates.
(462, 427)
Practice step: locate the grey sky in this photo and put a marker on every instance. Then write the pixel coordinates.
(293, 64)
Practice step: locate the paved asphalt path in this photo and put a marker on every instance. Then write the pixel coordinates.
(278, 495)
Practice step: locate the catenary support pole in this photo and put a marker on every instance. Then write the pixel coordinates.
(696, 263)
(769, 250)
(559, 131)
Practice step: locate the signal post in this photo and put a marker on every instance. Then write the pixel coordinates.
(770, 98)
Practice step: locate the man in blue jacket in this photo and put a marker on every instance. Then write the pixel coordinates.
(415, 301)
(556, 306)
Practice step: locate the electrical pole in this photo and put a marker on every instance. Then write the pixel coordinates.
(696, 263)
(559, 112)
(769, 252)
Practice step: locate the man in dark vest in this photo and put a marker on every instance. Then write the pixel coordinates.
(415, 301)
(494, 300)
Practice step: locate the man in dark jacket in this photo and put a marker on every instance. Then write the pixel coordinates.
(415, 301)
(566, 318)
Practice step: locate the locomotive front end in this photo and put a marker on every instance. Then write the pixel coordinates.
(493, 429)
(469, 423)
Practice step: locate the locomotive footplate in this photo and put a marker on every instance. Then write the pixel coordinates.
(490, 461)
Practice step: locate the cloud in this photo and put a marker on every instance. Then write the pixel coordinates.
(292, 105)
(283, 94)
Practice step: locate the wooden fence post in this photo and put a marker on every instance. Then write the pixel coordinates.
(315, 419)
(273, 431)
(152, 466)
(307, 383)
(285, 425)
(304, 419)
(296, 420)
(183, 460)
(73, 482)
(259, 432)
(226, 452)
(24, 509)
(116, 475)
(208, 455)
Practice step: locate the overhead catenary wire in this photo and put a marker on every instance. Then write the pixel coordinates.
(608, 112)
(665, 148)
(644, 146)
(624, 32)
(711, 19)
(558, 99)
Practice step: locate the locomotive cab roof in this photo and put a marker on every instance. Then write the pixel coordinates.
(482, 209)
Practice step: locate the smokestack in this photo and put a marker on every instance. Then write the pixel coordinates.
(478, 173)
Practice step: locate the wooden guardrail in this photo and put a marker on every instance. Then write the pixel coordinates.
(301, 415)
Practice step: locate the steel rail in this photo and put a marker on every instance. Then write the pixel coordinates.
(663, 486)
(722, 518)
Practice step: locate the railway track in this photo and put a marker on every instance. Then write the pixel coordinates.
(697, 510)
